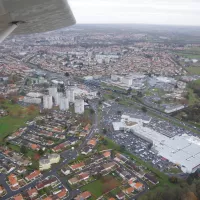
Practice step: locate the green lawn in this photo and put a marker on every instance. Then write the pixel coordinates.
(193, 99)
(12, 122)
(193, 70)
(96, 188)
(101, 186)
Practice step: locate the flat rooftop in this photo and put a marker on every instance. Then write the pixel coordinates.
(183, 150)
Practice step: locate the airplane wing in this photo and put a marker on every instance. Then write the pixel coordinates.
(37, 15)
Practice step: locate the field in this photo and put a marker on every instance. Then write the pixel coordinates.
(193, 70)
(101, 186)
(18, 116)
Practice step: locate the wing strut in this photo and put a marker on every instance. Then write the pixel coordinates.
(12, 26)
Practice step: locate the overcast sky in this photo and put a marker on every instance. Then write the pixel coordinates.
(174, 12)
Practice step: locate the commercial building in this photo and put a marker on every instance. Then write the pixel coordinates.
(79, 106)
(127, 81)
(183, 150)
(46, 162)
(32, 100)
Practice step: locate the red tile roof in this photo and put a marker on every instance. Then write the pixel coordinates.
(12, 179)
(18, 197)
(33, 175)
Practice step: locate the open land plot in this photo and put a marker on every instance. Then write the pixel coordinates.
(194, 70)
(101, 186)
(18, 116)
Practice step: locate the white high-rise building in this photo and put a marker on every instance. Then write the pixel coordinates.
(47, 102)
(60, 96)
(53, 91)
(56, 98)
(79, 106)
(68, 94)
(72, 96)
(64, 104)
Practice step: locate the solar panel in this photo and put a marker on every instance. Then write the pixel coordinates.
(38, 15)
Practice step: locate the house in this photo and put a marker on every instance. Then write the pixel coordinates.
(83, 176)
(86, 150)
(33, 175)
(92, 142)
(46, 183)
(77, 166)
(21, 170)
(18, 197)
(123, 173)
(111, 198)
(120, 196)
(131, 181)
(62, 193)
(83, 134)
(151, 179)
(1, 190)
(12, 178)
(48, 198)
(84, 195)
(107, 154)
(35, 147)
(66, 171)
(73, 180)
(32, 193)
(87, 127)
(108, 166)
(61, 146)
(138, 186)
(132, 166)
(129, 190)
(120, 158)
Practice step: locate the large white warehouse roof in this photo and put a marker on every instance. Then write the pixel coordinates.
(183, 150)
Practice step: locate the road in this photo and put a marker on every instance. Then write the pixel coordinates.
(93, 128)
(69, 154)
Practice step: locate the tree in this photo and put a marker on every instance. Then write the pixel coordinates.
(23, 149)
(150, 145)
(41, 152)
(91, 111)
(31, 108)
(173, 179)
(129, 91)
(144, 109)
(190, 180)
(139, 94)
(40, 122)
(67, 74)
(14, 100)
(122, 147)
(104, 131)
(98, 93)
(105, 142)
(19, 113)
(119, 112)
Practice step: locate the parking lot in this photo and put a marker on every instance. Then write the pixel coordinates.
(134, 144)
